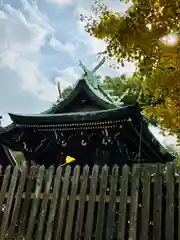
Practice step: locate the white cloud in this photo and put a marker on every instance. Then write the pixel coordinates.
(67, 77)
(36, 16)
(17, 33)
(59, 46)
(21, 38)
(60, 1)
(107, 70)
(94, 46)
(70, 72)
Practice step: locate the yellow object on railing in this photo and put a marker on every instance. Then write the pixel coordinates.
(69, 159)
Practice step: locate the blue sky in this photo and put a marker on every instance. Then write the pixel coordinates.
(41, 42)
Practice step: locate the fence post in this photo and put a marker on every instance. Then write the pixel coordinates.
(134, 202)
(146, 181)
(9, 201)
(53, 206)
(101, 204)
(43, 209)
(81, 206)
(157, 202)
(72, 201)
(63, 204)
(17, 204)
(169, 226)
(110, 223)
(92, 198)
(121, 225)
(35, 203)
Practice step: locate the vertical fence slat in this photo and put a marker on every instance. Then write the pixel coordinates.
(157, 202)
(63, 203)
(35, 203)
(72, 201)
(91, 202)
(18, 199)
(110, 223)
(101, 205)
(53, 206)
(26, 203)
(134, 202)
(43, 210)
(169, 227)
(123, 203)
(9, 201)
(145, 203)
(4, 187)
(81, 206)
(12, 215)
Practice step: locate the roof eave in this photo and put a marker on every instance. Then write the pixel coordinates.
(120, 113)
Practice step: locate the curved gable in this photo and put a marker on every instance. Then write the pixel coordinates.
(82, 94)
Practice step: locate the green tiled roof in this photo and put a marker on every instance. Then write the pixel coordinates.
(97, 95)
(89, 83)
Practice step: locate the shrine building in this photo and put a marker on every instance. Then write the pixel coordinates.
(89, 126)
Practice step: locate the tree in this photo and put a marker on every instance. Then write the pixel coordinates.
(121, 85)
(140, 36)
(130, 86)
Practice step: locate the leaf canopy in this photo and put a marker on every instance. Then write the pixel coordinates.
(140, 35)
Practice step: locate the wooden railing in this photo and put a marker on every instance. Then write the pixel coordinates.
(82, 203)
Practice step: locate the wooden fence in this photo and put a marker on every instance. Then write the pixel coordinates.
(82, 203)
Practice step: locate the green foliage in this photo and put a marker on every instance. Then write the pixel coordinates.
(130, 85)
(120, 85)
(138, 36)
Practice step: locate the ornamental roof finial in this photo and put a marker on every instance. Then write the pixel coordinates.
(99, 65)
(90, 75)
(59, 89)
